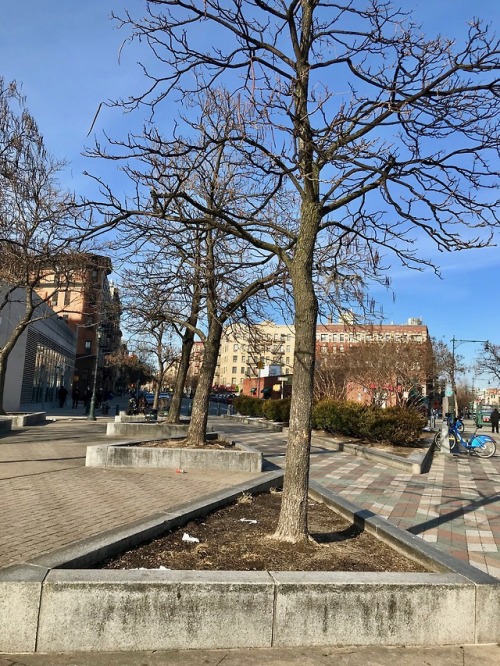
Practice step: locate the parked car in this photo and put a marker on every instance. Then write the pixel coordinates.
(163, 396)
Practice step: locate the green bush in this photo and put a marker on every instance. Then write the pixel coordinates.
(248, 406)
(397, 426)
(338, 416)
(276, 410)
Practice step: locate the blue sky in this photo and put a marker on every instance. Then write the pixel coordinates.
(65, 53)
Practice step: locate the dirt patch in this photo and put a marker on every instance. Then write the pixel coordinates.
(237, 538)
(184, 444)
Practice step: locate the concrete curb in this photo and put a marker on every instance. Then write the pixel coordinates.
(241, 458)
(5, 424)
(44, 607)
(33, 418)
(415, 463)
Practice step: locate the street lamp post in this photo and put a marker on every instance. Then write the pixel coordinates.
(91, 416)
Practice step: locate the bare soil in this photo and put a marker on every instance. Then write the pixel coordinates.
(237, 537)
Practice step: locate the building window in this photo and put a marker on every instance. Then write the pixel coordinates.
(235, 359)
(88, 346)
(235, 347)
(324, 337)
(233, 381)
(53, 299)
(234, 370)
(67, 297)
(242, 371)
(287, 360)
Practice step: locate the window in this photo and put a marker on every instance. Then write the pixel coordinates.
(53, 299)
(88, 346)
(324, 349)
(235, 347)
(233, 381)
(288, 348)
(242, 359)
(67, 297)
(234, 370)
(287, 360)
(341, 337)
(324, 337)
(242, 371)
(235, 359)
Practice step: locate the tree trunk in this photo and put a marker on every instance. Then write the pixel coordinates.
(199, 416)
(292, 524)
(180, 379)
(3, 373)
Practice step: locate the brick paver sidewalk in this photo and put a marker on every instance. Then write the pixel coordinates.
(49, 499)
(455, 506)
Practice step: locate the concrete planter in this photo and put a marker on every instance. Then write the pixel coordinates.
(241, 458)
(29, 419)
(59, 610)
(5, 424)
(144, 429)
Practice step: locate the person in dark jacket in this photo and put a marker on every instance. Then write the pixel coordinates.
(62, 395)
(494, 419)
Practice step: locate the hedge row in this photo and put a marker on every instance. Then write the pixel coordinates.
(274, 410)
(395, 425)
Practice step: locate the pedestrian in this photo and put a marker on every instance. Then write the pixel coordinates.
(494, 419)
(62, 394)
(87, 399)
(75, 397)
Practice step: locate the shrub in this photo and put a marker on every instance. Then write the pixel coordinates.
(397, 426)
(248, 406)
(338, 416)
(276, 410)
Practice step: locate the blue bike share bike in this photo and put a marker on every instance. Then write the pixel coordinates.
(483, 446)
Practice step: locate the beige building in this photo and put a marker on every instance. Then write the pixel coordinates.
(245, 350)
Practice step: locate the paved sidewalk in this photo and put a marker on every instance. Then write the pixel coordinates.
(50, 499)
(453, 655)
(455, 506)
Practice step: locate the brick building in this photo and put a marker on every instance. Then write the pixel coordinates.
(90, 304)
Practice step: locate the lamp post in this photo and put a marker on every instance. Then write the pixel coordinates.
(454, 343)
(91, 416)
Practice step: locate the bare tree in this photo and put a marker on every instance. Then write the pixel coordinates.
(389, 371)
(488, 361)
(381, 132)
(34, 216)
(144, 309)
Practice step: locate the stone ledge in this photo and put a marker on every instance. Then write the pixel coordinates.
(145, 429)
(241, 458)
(415, 463)
(83, 610)
(5, 424)
(28, 419)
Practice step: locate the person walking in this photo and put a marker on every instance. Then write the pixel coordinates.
(75, 396)
(494, 419)
(63, 392)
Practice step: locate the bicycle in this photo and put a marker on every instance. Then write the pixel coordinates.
(454, 423)
(483, 446)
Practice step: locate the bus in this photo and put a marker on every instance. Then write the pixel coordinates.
(484, 413)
